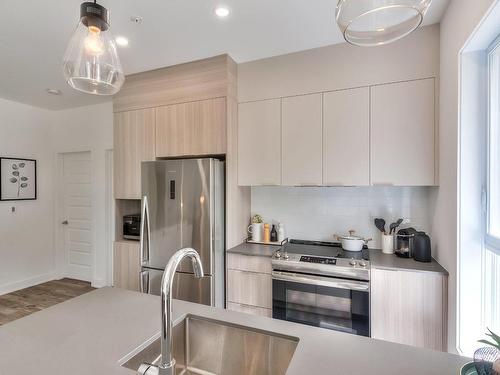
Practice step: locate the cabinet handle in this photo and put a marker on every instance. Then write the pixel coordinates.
(383, 184)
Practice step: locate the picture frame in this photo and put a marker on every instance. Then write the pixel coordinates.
(18, 179)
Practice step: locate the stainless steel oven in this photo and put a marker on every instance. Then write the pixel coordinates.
(324, 292)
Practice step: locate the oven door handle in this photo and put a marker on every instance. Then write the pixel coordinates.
(362, 286)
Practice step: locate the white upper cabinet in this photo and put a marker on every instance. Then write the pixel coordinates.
(403, 133)
(302, 140)
(259, 143)
(346, 137)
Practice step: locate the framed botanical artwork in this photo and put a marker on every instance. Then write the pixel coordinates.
(17, 179)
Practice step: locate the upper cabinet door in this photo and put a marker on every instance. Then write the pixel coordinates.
(403, 133)
(346, 137)
(259, 143)
(302, 140)
(134, 142)
(191, 129)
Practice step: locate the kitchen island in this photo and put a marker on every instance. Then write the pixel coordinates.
(94, 333)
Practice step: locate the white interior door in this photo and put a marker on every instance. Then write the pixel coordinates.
(77, 219)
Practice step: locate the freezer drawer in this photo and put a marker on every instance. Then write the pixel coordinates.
(186, 287)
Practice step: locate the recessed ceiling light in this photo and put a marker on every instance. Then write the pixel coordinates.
(53, 91)
(136, 19)
(121, 41)
(222, 12)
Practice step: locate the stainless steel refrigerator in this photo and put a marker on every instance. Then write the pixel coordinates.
(183, 206)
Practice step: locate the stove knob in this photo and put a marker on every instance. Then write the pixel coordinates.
(277, 255)
(362, 264)
(353, 262)
(285, 256)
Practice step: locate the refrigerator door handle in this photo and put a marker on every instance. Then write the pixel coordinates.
(145, 226)
(144, 281)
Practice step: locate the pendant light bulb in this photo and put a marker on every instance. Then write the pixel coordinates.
(91, 63)
(93, 43)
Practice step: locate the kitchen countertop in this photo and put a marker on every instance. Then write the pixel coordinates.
(377, 259)
(252, 249)
(91, 333)
(391, 262)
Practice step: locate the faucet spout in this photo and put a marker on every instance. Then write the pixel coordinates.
(167, 362)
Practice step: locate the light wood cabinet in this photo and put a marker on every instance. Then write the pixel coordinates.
(248, 263)
(346, 137)
(134, 142)
(403, 133)
(252, 310)
(191, 129)
(259, 143)
(409, 307)
(249, 284)
(302, 140)
(126, 265)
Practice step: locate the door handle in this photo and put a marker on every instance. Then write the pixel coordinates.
(144, 281)
(144, 227)
(65, 222)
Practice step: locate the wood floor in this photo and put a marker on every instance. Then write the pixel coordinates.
(24, 302)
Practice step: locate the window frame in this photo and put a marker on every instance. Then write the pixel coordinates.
(492, 243)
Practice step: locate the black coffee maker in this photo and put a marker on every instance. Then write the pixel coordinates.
(422, 247)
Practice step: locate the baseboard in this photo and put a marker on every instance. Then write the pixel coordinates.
(98, 283)
(12, 287)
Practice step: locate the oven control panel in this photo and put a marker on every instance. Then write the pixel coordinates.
(318, 260)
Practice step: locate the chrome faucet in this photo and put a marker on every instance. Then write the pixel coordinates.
(167, 362)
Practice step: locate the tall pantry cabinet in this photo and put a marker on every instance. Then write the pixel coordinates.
(187, 110)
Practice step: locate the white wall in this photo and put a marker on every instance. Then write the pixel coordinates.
(89, 129)
(27, 236)
(319, 213)
(457, 25)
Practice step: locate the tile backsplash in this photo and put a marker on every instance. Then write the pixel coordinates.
(319, 213)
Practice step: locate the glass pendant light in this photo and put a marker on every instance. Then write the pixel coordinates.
(91, 62)
(377, 22)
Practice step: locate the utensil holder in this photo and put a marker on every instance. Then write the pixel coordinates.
(387, 243)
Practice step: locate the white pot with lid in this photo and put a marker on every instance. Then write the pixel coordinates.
(352, 242)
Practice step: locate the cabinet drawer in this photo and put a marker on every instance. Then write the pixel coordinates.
(248, 288)
(252, 310)
(249, 263)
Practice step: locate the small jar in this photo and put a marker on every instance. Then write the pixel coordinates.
(267, 233)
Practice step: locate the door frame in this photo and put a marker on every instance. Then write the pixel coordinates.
(110, 215)
(59, 238)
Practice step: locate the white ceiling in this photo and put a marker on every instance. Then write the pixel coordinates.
(34, 34)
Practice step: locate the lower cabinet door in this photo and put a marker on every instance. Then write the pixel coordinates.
(409, 308)
(126, 265)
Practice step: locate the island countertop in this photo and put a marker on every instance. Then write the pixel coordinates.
(90, 334)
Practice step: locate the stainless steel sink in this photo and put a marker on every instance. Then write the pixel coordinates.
(210, 347)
